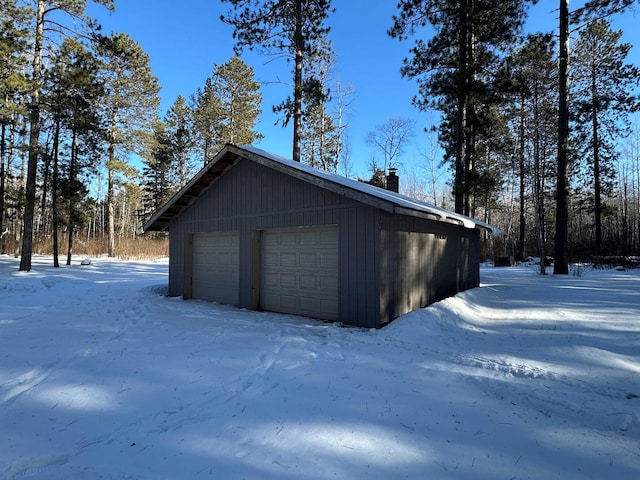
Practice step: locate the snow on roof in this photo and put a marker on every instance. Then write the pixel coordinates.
(395, 198)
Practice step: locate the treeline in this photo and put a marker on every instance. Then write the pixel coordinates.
(77, 107)
(544, 152)
(539, 149)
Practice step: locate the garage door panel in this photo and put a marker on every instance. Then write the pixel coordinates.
(270, 278)
(270, 260)
(289, 301)
(286, 238)
(287, 280)
(328, 283)
(308, 238)
(288, 260)
(328, 237)
(329, 305)
(308, 282)
(270, 240)
(300, 271)
(308, 259)
(216, 267)
(328, 260)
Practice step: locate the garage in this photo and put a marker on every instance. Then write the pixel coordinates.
(215, 267)
(299, 271)
(297, 240)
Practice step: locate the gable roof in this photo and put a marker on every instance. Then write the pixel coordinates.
(363, 192)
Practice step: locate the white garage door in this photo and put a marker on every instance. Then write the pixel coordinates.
(299, 271)
(216, 268)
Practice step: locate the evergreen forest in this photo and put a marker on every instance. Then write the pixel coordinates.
(536, 129)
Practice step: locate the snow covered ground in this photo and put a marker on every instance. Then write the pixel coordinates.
(102, 377)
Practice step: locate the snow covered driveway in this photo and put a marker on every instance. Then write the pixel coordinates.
(102, 377)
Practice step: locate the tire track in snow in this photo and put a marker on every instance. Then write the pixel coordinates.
(22, 384)
(33, 468)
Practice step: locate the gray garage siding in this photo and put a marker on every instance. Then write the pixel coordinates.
(423, 261)
(251, 197)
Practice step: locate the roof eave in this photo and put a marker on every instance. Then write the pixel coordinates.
(202, 181)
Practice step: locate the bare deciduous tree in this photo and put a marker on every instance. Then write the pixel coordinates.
(391, 138)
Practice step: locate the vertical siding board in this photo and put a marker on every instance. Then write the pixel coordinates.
(366, 256)
(309, 197)
(357, 265)
(345, 277)
(264, 191)
(284, 193)
(373, 269)
(354, 275)
(187, 265)
(246, 267)
(366, 273)
(176, 271)
(383, 261)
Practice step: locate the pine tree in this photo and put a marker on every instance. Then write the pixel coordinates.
(227, 108)
(158, 173)
(179, 138)
(561, 261)
(44, 9)
(295, 29)
(206, 107)
(454, 68)
(532, 73)
(320, 139)
(601, 102)
(239, 95)
(378, 176)
(14, 85)
(323, 128)
(602, 8)
(74, 93)
(593, 8)
(130, 108)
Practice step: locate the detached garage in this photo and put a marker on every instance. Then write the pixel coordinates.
(258, 231)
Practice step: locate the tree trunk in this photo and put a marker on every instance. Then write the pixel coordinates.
(2, 173)
(34, 143)
(72, 177)
(54, 194)
(522, 173)
(46, 166)
(22, 180)
(597, 194)
(561, 266)
(110, 194)
(297, 83)
(538, 187)
(70, 242)
(111, 224)
(461, 115)
(624, 207)
(470, 130)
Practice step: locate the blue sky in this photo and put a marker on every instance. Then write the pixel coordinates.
(184, 39)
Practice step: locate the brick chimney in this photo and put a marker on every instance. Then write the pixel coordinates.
(393, 182)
